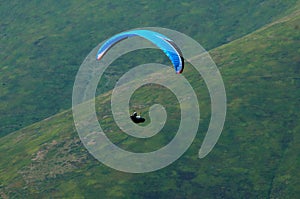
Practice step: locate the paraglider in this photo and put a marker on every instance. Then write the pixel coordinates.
(137, 118)
(161, 41)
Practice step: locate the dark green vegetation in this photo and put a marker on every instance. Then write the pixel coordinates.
(44, 42)
(257, 155)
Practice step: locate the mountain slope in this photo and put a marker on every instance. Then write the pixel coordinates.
(44, 42)
(256, 156)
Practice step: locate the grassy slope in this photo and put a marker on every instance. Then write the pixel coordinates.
(44, 42)
(265, 88)
(256, 156)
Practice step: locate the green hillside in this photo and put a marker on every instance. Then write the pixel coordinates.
(44, 42)
(256, 156)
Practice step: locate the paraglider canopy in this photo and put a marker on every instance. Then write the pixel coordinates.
(161, 41)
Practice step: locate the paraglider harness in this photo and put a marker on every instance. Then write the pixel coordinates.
(137, 118)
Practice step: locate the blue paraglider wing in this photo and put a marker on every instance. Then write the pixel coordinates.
(161, 41)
